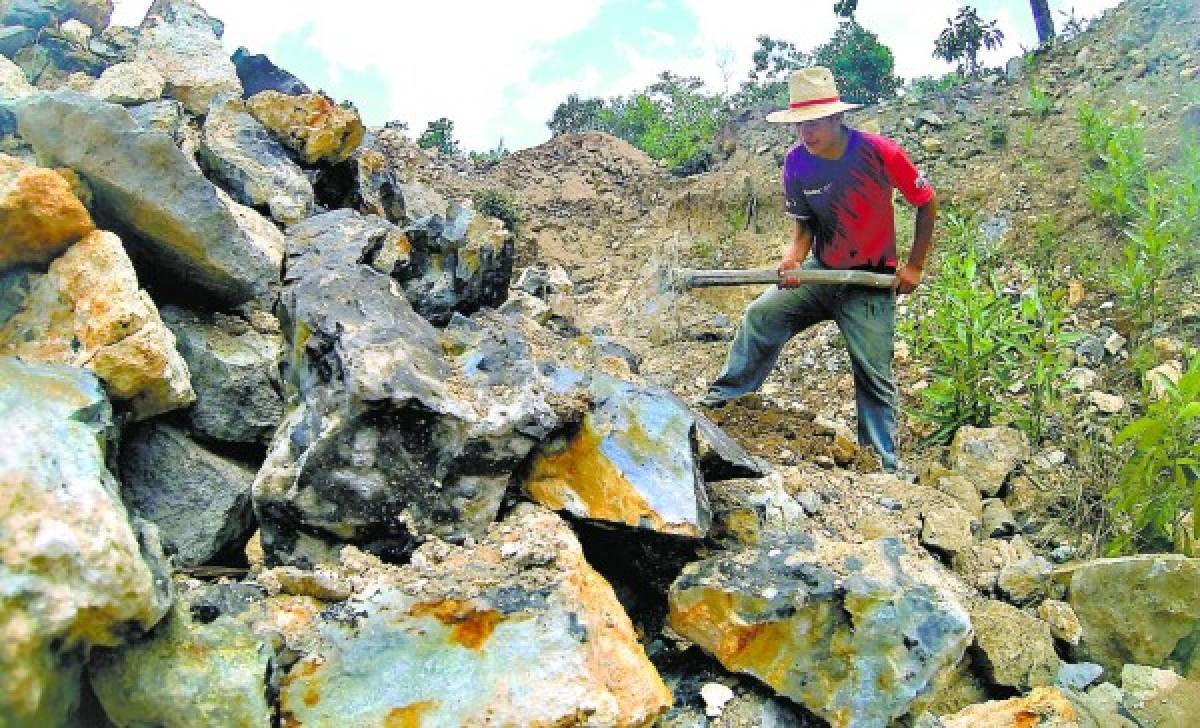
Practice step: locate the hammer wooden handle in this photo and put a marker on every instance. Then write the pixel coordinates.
(692, 278)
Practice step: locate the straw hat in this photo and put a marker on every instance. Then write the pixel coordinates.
(814, 95)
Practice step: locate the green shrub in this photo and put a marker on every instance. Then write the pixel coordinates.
(1161, 480)
(500, 205)
(1146, 254)
(925, 86)
(1040, 102)
(966, 334)
(1043, 355)
(997, 133)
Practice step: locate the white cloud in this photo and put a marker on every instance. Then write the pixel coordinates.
(473, 61)
(454, 58)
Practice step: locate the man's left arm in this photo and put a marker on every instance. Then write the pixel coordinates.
(909, 276)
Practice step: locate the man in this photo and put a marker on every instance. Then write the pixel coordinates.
(838, 184)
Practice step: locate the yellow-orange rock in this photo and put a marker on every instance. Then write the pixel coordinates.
(1042, 708)
(88, 311)
(631, 462)
(39, 213)
(311, 124)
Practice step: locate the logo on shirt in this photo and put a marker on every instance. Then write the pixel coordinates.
(819, 190)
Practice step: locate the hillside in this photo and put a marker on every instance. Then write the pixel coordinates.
(309, 426)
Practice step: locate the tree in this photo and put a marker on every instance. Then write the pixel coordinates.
(1042, 20)
(439, 134)
(863, 67)
(774, 59)
(963, 37)
(845, 8)
(575, 115)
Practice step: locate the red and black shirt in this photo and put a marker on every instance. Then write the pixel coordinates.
(847, 202)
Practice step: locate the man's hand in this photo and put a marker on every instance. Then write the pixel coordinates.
(786, 281)
(907, 278)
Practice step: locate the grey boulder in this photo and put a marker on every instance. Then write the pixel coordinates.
(144, 183)
(199, 500)
(234, 370)
(254, 167)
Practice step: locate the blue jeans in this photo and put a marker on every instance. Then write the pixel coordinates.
(867, 320)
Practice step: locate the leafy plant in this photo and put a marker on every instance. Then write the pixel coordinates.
(1072, 25)
(967, 334)
(1146, 255)
(491, 156)
(500, 205)
(964, 36)
(924, 86)
(1043, 355)
(1161, 480)
(1116, 188)
(997, 132)
(1040, 102)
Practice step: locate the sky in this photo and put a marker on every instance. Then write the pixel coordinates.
(498, 69)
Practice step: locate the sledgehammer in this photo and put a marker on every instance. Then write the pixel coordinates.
(682, 279)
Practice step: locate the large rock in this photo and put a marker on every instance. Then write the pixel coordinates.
(948, 530)
(39, 213)
(13, 38)
(386, 440)
(234, 370)
(754, 512)
(255, 168)
(166, 115)
(56, 57)
(183, 43)
(88, 311)
(632, 462)
(721, 456)
(13, 81)
(38, 14)
(1042, 708)
(199, 500)
(1159, 698)
(855, 633)
(144, 182)
(193, 673)
(518, 630)
(988, 456)
(259, 74)
(315, 127)
(459, 264)
(1015, 649)
(129, 83)
(74, 573)
(1139, 609)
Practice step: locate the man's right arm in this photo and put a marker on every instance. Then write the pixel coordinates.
(795, 253)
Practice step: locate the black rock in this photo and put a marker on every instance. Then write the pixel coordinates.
(258, 74)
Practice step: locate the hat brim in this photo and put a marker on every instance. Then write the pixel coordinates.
(790, 116)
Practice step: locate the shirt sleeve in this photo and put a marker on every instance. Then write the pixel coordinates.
(795, 203)
(905, 176)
